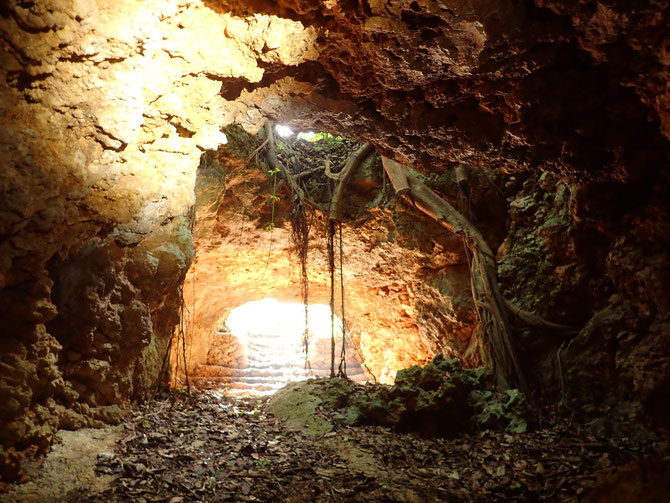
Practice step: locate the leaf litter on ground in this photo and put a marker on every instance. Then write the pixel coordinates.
(214, 447)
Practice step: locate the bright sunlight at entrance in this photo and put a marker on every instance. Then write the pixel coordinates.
(265, 349)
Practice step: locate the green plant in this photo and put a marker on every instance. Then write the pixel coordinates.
(324, 137)
(501, 409)
(322, 140)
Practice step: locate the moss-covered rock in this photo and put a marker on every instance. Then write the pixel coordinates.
(296, 405)
(440, 399)
(432, 399)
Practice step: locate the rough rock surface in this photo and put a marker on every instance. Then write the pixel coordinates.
(107, 106)
(577, 90)
(595, 257)
(421, 284)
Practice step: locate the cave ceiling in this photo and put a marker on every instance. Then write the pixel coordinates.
(577, 90)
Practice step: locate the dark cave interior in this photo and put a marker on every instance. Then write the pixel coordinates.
(487, 189)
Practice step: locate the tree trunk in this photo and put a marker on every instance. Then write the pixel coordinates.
(343, 177)
(494, 326)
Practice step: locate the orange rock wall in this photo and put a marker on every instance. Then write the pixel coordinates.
(393, 303)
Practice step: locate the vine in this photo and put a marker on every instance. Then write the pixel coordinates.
(273, 197)
(300, 224)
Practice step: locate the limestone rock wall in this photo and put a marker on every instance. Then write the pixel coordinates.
(595, 257)
(106, 108)
(406, 280)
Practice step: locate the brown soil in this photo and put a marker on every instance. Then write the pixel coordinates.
(212, 447)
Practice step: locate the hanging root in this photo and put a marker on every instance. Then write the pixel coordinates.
(335, 215)
(331, 270)
(342, 370)
(360, 355)
(300, 227)
(178, 337)
(163, 374)
(493, 310)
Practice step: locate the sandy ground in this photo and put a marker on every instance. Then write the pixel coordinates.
(69, 465)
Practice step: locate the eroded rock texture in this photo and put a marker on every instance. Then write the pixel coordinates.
(106, 107)
(581, 91)
(406, 280)
(595, 256)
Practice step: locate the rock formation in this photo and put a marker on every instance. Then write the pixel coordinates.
(106, 108)
(407, 285)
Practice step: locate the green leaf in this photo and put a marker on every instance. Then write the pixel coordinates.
(517, 425)
(513, 394)
(495, 409)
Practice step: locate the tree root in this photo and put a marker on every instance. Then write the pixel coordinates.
(273, 162)
(343, 177)
(300, 227)
(335, 216)
(493, 310)
(532, 320)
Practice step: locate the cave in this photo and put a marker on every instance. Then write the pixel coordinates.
(462, 251)
(261, 348)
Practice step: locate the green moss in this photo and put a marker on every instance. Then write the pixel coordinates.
(336, 392)
(240, 142)
(441, 398)
(408, 377)
(352, 415)
(296, 406)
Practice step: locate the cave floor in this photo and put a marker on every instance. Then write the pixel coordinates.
(212, 447)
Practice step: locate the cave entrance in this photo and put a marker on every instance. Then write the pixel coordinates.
(261, 347)
(402, 282)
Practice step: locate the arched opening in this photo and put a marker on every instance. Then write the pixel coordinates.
(405, 297)
(263, 345)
